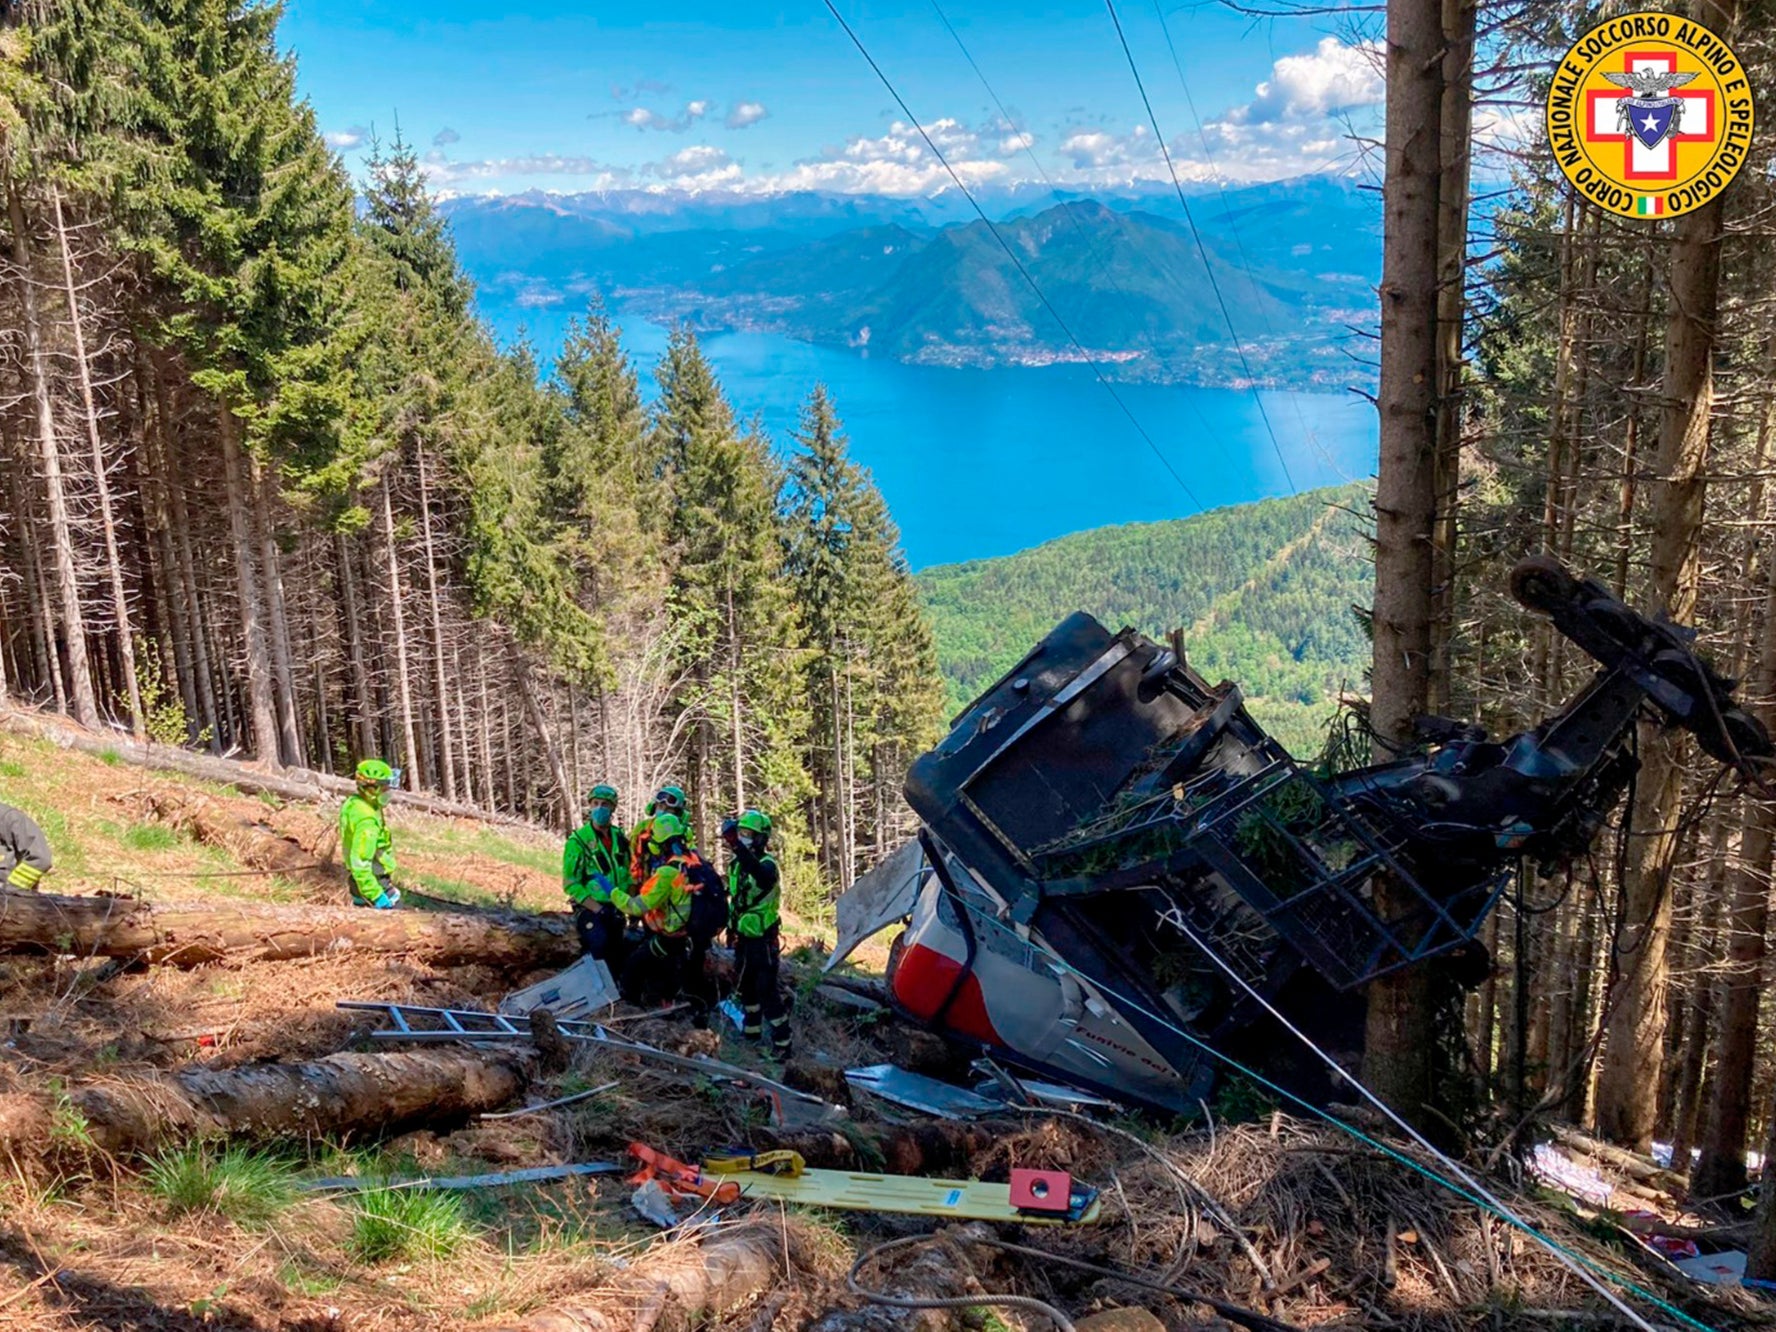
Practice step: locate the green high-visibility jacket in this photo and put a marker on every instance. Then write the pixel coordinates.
(754, 892)
(365, 843)
(595, 864)
(663, 901)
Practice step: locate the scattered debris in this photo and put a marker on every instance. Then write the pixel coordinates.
(580, 991)
(558, 1102)
(917, 1092)
(501, 1179)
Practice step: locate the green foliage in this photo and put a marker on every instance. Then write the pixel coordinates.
(150, 837)
(1263, 592)
(163, 711)
(248, 1187)
(394, 1223)
(68, 1126)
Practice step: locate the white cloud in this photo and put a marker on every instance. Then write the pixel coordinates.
(644, 118)
(699, 157)
(444, 173)
(346, 139)
(1095, 150)
(1301, 119)
(445, 137)
(1333, 79)
(1016, 143)
(743, 114)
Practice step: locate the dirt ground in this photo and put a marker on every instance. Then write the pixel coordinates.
(1344, 1236)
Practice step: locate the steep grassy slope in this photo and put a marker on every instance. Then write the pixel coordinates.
(1263, 591)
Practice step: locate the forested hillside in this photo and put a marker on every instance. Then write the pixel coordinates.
(270, 489)
(1264, 593)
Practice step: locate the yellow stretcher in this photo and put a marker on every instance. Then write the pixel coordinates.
(781, 1175)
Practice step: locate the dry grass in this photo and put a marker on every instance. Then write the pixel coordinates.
(97, 1247)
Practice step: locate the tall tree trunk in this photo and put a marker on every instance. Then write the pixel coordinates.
(1721, 1167)
(446, 769)
(270, 565)
(1455, 122)
(1399, 1044)
(43, 639)
(403, 677)
(1634, 1051)
(205, 672)
(736, 718)
(261, 723)
(352, 629)
(126, 645)
(80, 686)
(551, 750)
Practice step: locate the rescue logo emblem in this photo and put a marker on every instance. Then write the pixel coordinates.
(1650, 115)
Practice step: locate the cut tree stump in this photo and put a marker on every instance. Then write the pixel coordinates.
(674, 1287)
(189, 934)
(340, 1096)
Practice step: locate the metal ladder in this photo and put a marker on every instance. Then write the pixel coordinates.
(411, 1022)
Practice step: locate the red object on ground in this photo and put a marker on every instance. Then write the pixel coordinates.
(1041, 1190)
(677, 1177)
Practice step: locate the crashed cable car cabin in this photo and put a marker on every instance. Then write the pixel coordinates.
(1102, 809)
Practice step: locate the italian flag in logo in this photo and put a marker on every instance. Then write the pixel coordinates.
(1650, 205)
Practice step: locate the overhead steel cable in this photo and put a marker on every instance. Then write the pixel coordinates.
(1094, 246)
(1239, 245)
(1012, 255)
(1201, 249)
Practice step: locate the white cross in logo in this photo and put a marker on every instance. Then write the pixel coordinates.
(1658, 163)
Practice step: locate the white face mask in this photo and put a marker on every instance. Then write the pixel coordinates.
(749, 841)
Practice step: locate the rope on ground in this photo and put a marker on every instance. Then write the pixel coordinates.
(1027, 1303)
(1210, 1203)
(1586, 1269)
(1234, 1313)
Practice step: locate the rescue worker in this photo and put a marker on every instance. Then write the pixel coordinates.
(669, 800)
(364, 838)
(654, 969)
(594, 864)
(24, 850)
(754, 893)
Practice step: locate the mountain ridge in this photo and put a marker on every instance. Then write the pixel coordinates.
(1265, 588)
(1294, 264)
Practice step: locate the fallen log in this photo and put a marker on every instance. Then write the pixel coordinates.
(191, 934)
(252, 844)
(1635, 1167)
(288, 783)
(342, 1095)
(675, 1287)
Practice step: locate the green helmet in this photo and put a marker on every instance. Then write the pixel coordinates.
(603, 791)
(375, 770)
(757, 821)
(672, 798)
(664, 828)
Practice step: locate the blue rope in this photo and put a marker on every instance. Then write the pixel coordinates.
(1483, 1204)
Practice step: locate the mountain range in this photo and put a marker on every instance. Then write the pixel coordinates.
(1121, 276)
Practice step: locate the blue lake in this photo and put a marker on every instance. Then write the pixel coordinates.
(976, 463)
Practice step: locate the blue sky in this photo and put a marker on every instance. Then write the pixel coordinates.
(764, 97)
